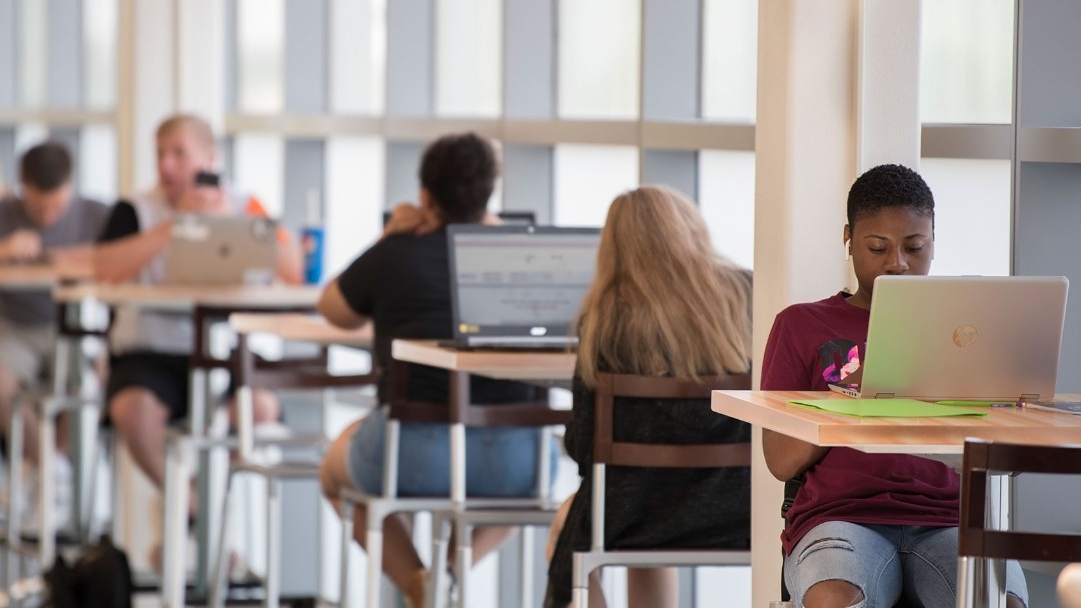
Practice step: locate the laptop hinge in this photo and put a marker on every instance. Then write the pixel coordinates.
(1029, 397)
(884, 395)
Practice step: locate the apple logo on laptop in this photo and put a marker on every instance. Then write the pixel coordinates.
(965, 336)
(538, 331)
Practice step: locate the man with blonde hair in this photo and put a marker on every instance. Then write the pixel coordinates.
(148, 379)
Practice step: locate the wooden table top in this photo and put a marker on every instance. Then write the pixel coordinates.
(184, 298)
(301, 328)
(27, 277)
(941, 435)
(503, 365)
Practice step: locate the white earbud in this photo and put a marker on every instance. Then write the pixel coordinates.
(848, 250)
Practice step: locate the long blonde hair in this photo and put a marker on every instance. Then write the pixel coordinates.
(663, 302)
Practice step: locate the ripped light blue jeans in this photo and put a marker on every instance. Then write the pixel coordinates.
(885, 562)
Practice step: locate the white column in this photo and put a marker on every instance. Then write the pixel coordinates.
(818, 124)
(147, 83)
(200, 60)
(889, 84)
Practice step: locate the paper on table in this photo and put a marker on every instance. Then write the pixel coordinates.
(889, 408)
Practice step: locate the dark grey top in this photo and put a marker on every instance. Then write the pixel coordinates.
(81, 224)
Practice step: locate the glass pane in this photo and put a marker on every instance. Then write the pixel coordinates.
(98, 170)
(599, 58)
(358, 55)
(33, 46)
(7, 159)
(726, 199)
(967, 61)
(260, 67)
(258, 167)
(972, 215)
(99, 43)
(729, 59)
(353, 213)
(587, 178)
(29, 134)
(469, 48)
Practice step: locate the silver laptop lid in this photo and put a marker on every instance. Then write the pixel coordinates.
(979, 338)
(221, 250)
(521, 283)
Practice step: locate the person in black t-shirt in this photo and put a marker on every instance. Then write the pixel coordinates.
(402, 283)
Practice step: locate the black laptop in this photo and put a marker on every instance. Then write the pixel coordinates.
(519, 287)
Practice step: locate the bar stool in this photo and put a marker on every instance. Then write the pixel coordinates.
(459, 414)
(49, 403)
(287, 374)
(978, 540)
(608, 452)
(181, 443)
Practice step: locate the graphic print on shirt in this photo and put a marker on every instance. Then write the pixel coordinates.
(838, 359)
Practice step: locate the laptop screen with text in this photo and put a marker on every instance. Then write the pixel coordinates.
(520, 280)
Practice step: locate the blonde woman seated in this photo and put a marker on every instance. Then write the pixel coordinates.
(663, 303)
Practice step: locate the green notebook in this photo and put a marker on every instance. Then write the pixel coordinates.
(888, 408)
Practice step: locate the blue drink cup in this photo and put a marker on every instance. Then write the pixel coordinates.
(311, 242)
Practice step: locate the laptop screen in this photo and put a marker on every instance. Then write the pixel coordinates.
(525, 281)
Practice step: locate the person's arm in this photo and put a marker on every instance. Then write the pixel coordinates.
(21, 245)
(73, 260)
(786, 457)
(123, 250)
(290, 263)
(336, 310)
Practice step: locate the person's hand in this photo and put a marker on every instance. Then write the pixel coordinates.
(491, 219)
(408, 218)
(21, 245)
(206, 200)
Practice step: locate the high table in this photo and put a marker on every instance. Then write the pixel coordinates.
(539, 366)
(940, 438)
(189, 299)
(43, 277)
(547, 368)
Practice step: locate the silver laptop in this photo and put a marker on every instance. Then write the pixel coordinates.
(519, 286)
(963, 338)
(221, 250)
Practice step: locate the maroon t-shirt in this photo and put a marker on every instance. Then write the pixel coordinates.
(810, 346)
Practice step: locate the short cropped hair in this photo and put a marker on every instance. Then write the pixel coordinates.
(195, 125)
(459, 173)
(46, 166)
(889, 186)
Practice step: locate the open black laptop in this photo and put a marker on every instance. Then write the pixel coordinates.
(519, 286)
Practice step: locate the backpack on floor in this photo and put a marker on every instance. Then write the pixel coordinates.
(100, 578)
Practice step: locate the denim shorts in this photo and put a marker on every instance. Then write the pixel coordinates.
(885, 562)
(500, 462)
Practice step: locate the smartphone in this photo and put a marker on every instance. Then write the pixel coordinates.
(207, 178)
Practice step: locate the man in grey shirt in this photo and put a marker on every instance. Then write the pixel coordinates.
(48, 223)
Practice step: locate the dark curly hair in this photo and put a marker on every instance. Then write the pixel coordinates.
(459, 173)
(46, 166)
(889, 186)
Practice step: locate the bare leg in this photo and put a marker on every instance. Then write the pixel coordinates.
(652, 587)
(400, 560)
(265, 407)
(9, 388)
(141, 418)
(832, 594)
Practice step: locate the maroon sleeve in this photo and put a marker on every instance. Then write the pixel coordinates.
(783, 369)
